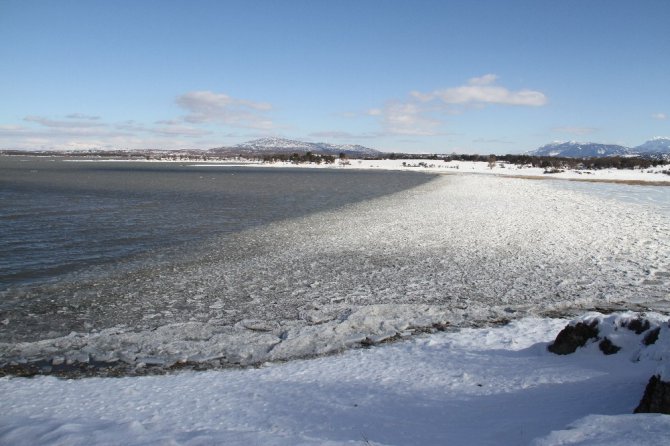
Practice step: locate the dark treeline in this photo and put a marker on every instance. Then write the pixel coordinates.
(548, 162)
(298, 158)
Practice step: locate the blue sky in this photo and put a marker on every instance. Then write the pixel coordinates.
(407, 76)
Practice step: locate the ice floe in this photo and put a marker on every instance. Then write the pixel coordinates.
(458, 251)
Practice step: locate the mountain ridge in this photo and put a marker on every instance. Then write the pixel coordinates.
(271, 146)
(574, 149)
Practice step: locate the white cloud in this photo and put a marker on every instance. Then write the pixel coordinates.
(50, 139)
(82, 116)
(406, 118)
(483, 91)
(336, 134)
(486, 79)
(169, 128)
(46, 122)
(11, 128)
(179, 130)
(491, 141)
(422, 114)
(660, 116)
(575, 130)
(51, 134)
(208, 106)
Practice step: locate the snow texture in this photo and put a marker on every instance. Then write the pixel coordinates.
(650, 175)
(486, 386)
(459, 251)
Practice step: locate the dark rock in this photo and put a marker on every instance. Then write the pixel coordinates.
(656, 397)
(652, 336)
(607, 347)
(573, 337)
(638, 325)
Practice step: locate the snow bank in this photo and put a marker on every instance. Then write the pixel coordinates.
(249, 342)
(642, 339)
(651, 174)
(619, 430)
(486, 386)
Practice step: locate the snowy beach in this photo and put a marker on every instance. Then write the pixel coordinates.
(488, 386)
(459, 252)
(652, 175)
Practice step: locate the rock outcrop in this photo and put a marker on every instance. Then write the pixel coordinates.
(637, 334)
(574, 336)
(656, 397)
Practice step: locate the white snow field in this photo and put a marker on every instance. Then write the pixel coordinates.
(486, 386)
(651, 174)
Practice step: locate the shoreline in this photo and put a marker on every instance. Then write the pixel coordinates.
(593, 180)
(370, 394)
(460, 283)
(649, 177)
(458, 251)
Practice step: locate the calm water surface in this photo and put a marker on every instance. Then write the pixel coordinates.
(59, 217)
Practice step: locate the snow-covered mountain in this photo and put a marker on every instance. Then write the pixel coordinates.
(282, 145)
(574, 149)
(657, 145)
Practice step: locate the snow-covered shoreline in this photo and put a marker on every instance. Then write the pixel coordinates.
(486, 386)
(459, 251)
(652, 175)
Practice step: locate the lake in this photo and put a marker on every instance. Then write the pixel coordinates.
(58, 217)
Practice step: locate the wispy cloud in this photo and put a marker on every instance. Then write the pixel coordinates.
(76, 132)
(575, 130)
(82, 116)
(660, 116)
(423, 113)
(47, 136)
(211, 107)
(179, 130)
(491, 141)
(169, 122)
(46, 122)
(483, 91)
(167, 128)
(335, 134)
(56, 139)
(406, 118)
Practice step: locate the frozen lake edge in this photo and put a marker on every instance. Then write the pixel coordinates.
(460, 251)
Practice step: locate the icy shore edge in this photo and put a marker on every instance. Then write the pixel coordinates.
(250, 342)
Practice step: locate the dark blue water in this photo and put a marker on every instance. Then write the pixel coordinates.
(59, 217)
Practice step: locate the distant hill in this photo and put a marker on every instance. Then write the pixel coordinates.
(574, 149)
(270, 146)
(658, 145)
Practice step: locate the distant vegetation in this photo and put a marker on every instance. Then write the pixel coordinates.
(297, 158)
(549, 163)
